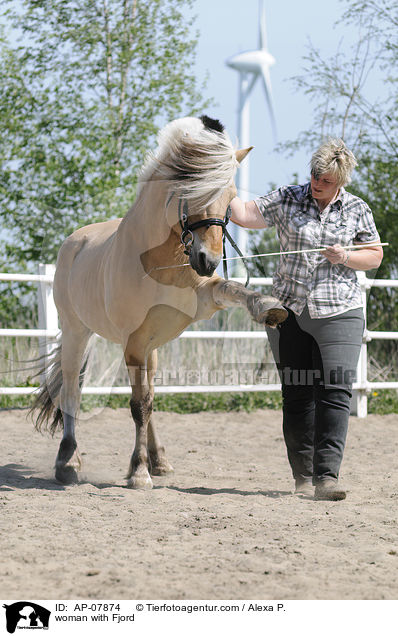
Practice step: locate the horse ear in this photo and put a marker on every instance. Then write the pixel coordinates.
(241, 154)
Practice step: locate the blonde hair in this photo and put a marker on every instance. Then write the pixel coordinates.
(333, 156)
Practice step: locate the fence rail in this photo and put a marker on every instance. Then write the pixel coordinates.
(48, 333)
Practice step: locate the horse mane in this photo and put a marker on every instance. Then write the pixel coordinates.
(195, 156)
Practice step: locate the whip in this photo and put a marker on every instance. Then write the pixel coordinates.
(322, 248)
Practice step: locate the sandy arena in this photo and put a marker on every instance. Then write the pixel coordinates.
(224, 525)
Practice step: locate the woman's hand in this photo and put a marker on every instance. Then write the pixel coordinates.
(368, 257)
(336, 254)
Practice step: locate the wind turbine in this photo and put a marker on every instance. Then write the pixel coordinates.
(251, 66)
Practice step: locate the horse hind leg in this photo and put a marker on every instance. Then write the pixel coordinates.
(68, 462)
(74, 342)
(158, 463)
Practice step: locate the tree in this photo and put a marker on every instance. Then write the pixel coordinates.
(344, 105)
(82, 96)
(84, 87)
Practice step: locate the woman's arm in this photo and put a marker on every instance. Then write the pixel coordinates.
(363, 259)
(246, 214)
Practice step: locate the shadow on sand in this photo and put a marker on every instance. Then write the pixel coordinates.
(201, 490)
(16, 476)
(19, 477)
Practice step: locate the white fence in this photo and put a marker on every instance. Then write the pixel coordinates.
(48, 331)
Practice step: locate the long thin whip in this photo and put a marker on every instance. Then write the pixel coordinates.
(322, 248)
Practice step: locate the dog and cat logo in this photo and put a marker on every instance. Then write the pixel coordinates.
(26, 615)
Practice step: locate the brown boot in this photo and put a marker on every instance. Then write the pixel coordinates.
(304, 488)
(329, 490)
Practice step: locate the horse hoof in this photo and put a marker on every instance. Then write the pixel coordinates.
(275, 316)
(162, 469)
(66, 475)
(266, 309)
(255, 305)
(140, 483)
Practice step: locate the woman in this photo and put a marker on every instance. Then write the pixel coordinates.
(317, 348)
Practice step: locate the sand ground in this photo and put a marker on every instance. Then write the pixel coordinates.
(224, 525)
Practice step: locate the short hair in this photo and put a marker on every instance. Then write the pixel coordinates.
(333, 156)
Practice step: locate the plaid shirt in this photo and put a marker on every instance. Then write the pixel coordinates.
(311, 279)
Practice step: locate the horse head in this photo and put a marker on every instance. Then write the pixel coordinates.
(197, 162)
(202, 234)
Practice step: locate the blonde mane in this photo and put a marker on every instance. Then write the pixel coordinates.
(197, 162)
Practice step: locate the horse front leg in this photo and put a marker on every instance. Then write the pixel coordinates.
(263, 309)
(158, 462)
(141, 405)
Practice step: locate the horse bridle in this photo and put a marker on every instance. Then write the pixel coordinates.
(187, 230)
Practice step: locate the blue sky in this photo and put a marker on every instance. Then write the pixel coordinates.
(231, 26)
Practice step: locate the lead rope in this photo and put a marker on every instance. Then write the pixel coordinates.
(227, 235)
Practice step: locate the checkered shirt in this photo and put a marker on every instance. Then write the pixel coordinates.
(311, 279)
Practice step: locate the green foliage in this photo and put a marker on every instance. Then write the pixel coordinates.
(383, 402)
(18, 306)
(84, 87)
(380, 403)
(376, 184)
(196, 402)
(173, 402)
(15, 401)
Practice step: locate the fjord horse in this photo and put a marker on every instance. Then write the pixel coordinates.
(109, 281)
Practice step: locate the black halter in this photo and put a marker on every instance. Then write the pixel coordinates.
(188, 229)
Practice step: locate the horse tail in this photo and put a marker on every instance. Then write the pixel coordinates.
(45, 409)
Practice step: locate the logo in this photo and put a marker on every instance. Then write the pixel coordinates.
(26, 615)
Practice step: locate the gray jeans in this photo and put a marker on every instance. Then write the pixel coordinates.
(316, 360)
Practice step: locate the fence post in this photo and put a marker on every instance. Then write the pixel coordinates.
(48, 315)
(360, 406)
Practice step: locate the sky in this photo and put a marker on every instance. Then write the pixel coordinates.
(228, 27)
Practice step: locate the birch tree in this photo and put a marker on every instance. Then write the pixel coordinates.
(84, 87)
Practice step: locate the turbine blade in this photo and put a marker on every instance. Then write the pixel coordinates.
(247, 86)
(262, 39)
(268, 95)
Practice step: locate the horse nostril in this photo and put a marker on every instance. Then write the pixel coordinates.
(205, 263)
(202, 261)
